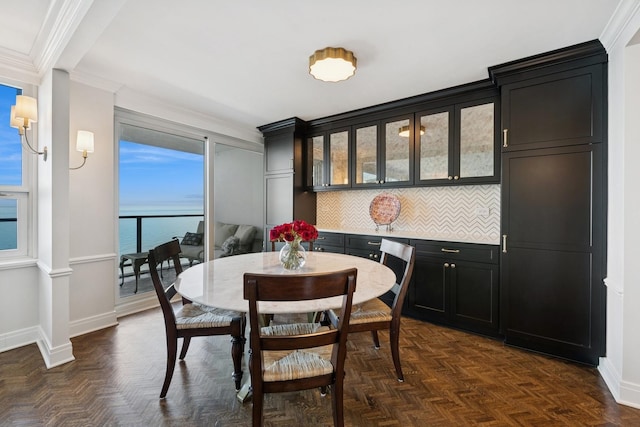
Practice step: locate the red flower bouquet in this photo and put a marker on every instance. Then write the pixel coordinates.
(297, 230)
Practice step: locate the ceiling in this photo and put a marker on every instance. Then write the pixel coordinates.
(245, 63)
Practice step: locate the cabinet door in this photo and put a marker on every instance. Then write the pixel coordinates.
(474, 296)
(552, 256)
(317, 165)
(434, 145)
(428, 295)
(559, 109)
(397, 152)
(475, 150)
(279, 155)
(366, 155)
(339, 159)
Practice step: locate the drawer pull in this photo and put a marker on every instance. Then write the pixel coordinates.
(374, 243)
(450, 251)
(320, 238)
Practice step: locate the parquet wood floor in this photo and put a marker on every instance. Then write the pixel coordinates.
(452, 379)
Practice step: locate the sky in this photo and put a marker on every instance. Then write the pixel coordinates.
(152, 179)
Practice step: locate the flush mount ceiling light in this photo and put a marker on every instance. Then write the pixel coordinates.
(404, 131)
(332, 64)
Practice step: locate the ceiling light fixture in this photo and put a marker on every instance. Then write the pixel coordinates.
(404, 131)
(332, 64)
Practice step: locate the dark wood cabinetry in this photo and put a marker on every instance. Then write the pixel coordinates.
(456, 284)
(553, 202)
(329, 242)
(286, 197)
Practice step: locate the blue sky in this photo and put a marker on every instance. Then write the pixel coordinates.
(10, 165)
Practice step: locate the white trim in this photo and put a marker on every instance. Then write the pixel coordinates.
(618, 23)
(60, 272)
(93, 258)
(138, 305)
(19, 338)
(54, 356)
(92, 324)
(17, 67)
(629, 394)
(23, 262)
(610, 376)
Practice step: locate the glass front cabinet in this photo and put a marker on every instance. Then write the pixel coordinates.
(456, 144)
(329, 161)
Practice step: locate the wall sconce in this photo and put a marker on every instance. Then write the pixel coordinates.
(23, 114)
(404, 131)
(84, 144)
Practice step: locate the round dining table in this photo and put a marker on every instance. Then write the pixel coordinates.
(219, 283)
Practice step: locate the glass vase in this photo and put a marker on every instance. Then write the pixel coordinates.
(292, 255)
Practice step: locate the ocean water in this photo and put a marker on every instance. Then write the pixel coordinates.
(154, 230)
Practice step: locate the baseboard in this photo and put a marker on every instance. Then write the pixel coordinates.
(19, 338)
(93, 323)
(138, 305)
(624, 392)
(54, 356)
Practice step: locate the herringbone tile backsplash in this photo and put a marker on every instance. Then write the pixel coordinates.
(456, 211)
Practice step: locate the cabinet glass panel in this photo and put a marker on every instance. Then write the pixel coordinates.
(476, 140)
(317, 148)
(396, 152)
(434, 146)
(339, 149)
(366, 155)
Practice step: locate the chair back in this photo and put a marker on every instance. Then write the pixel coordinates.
(406, 253)
(200, 229)
(169, 251)
(278, 287)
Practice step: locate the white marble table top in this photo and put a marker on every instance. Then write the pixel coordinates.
(219, 283)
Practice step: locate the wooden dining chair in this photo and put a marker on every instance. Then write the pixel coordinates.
(192, 319)
(375, 315)
(298, 356)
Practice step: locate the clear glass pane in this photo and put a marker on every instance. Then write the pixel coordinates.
(476, 141)
(8, 224)
(396, 152)
(339, 149)
(434, 146)
(317, 148)
(10, 148)
(366, 155)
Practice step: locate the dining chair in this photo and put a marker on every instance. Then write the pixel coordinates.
(192, 319)
(299, 356)
(375, 315)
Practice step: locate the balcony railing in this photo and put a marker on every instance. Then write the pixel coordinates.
(151, 230)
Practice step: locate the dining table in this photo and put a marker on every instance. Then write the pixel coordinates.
(219, 283)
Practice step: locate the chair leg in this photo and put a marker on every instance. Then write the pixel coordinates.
(337, 403)
(257, 399)
(237, 348)
(376, 341)
(185, 346)
(394, 340)
(323, 390)
(172, 349)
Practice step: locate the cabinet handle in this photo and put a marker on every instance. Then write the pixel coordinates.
(371, 256)
(319, 249)
(505, 137)
(320, 238)
(450, 251)
(374, 243)
(453, 266)
(456, 177)
(446, 265)
(449, 177)
(504, 243)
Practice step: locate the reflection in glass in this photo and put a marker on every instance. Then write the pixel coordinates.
(366, 155)
(434, 146)
(8, 224)
(339, 149)
(317, 148)
(476, 141)
(396, 152)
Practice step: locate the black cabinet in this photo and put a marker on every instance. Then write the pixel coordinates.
(329, 242)
(286, 198)
(456, 284)
(554, 202)
(329, 162)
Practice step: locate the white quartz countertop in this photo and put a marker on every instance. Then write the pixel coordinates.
(408, 234)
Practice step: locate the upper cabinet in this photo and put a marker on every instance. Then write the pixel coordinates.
(329, 161)
(456, 144)
(383, 153)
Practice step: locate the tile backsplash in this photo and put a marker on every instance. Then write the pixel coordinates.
(470, 211)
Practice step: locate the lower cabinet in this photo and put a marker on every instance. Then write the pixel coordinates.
(329, 242)
(456, 284)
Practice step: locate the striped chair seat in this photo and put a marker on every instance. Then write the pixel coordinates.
(292, 329)
(292, 365)
(197, 316)
(370, 311)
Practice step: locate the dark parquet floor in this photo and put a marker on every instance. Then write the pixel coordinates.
(452, 379)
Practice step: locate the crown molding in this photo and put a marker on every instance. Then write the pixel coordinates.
(18, 67)
(618, 23)
(95, 81)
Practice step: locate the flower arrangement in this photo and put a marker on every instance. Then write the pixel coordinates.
(292, 254)
(297, 230)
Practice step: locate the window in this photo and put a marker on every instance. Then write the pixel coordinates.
(14, 182)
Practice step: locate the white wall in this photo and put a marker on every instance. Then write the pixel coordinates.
(621, 366)
(92, 213)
